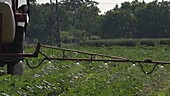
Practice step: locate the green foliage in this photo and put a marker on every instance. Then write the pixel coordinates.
(79, 22)
(111, 42)
(148, 42)
(126, 42)
(82, 19)
(131, 20)
(66, 38)
(92, 78)
(165, 42)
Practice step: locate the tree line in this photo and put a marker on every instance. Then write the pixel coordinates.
(81, 20)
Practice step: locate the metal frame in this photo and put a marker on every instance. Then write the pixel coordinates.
(38, 52)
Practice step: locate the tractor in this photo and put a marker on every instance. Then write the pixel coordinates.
(13, 23)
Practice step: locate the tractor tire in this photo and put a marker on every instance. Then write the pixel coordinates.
(15, 66)
(15, 69)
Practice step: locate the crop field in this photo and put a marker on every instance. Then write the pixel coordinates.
(68, 78)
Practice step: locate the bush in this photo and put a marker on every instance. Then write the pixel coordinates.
(94, 37)
(148, 42)
(164, 42)
(110, 42)
(126, 42)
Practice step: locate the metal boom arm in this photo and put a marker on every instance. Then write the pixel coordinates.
(36, 53)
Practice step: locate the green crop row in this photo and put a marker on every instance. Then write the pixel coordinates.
(69, 78)
(127, 42)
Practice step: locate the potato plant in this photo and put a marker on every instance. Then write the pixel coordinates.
(68, 78)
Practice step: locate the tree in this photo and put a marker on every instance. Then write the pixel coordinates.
(83, 14)
(80, 19)
(147, 17)
(164, 19)
(118, 24)
(37, 23)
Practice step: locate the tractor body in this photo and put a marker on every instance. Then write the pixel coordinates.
(13, 21)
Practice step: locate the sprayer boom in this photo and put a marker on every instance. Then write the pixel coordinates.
(107, 58)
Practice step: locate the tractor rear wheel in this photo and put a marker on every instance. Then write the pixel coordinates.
(15, 69)
(15, 66)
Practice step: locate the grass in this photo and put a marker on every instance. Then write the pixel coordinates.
(66, 78)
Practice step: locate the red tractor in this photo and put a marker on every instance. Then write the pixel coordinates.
(13, 22)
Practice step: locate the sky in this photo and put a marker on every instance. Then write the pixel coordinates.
(105, 5)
